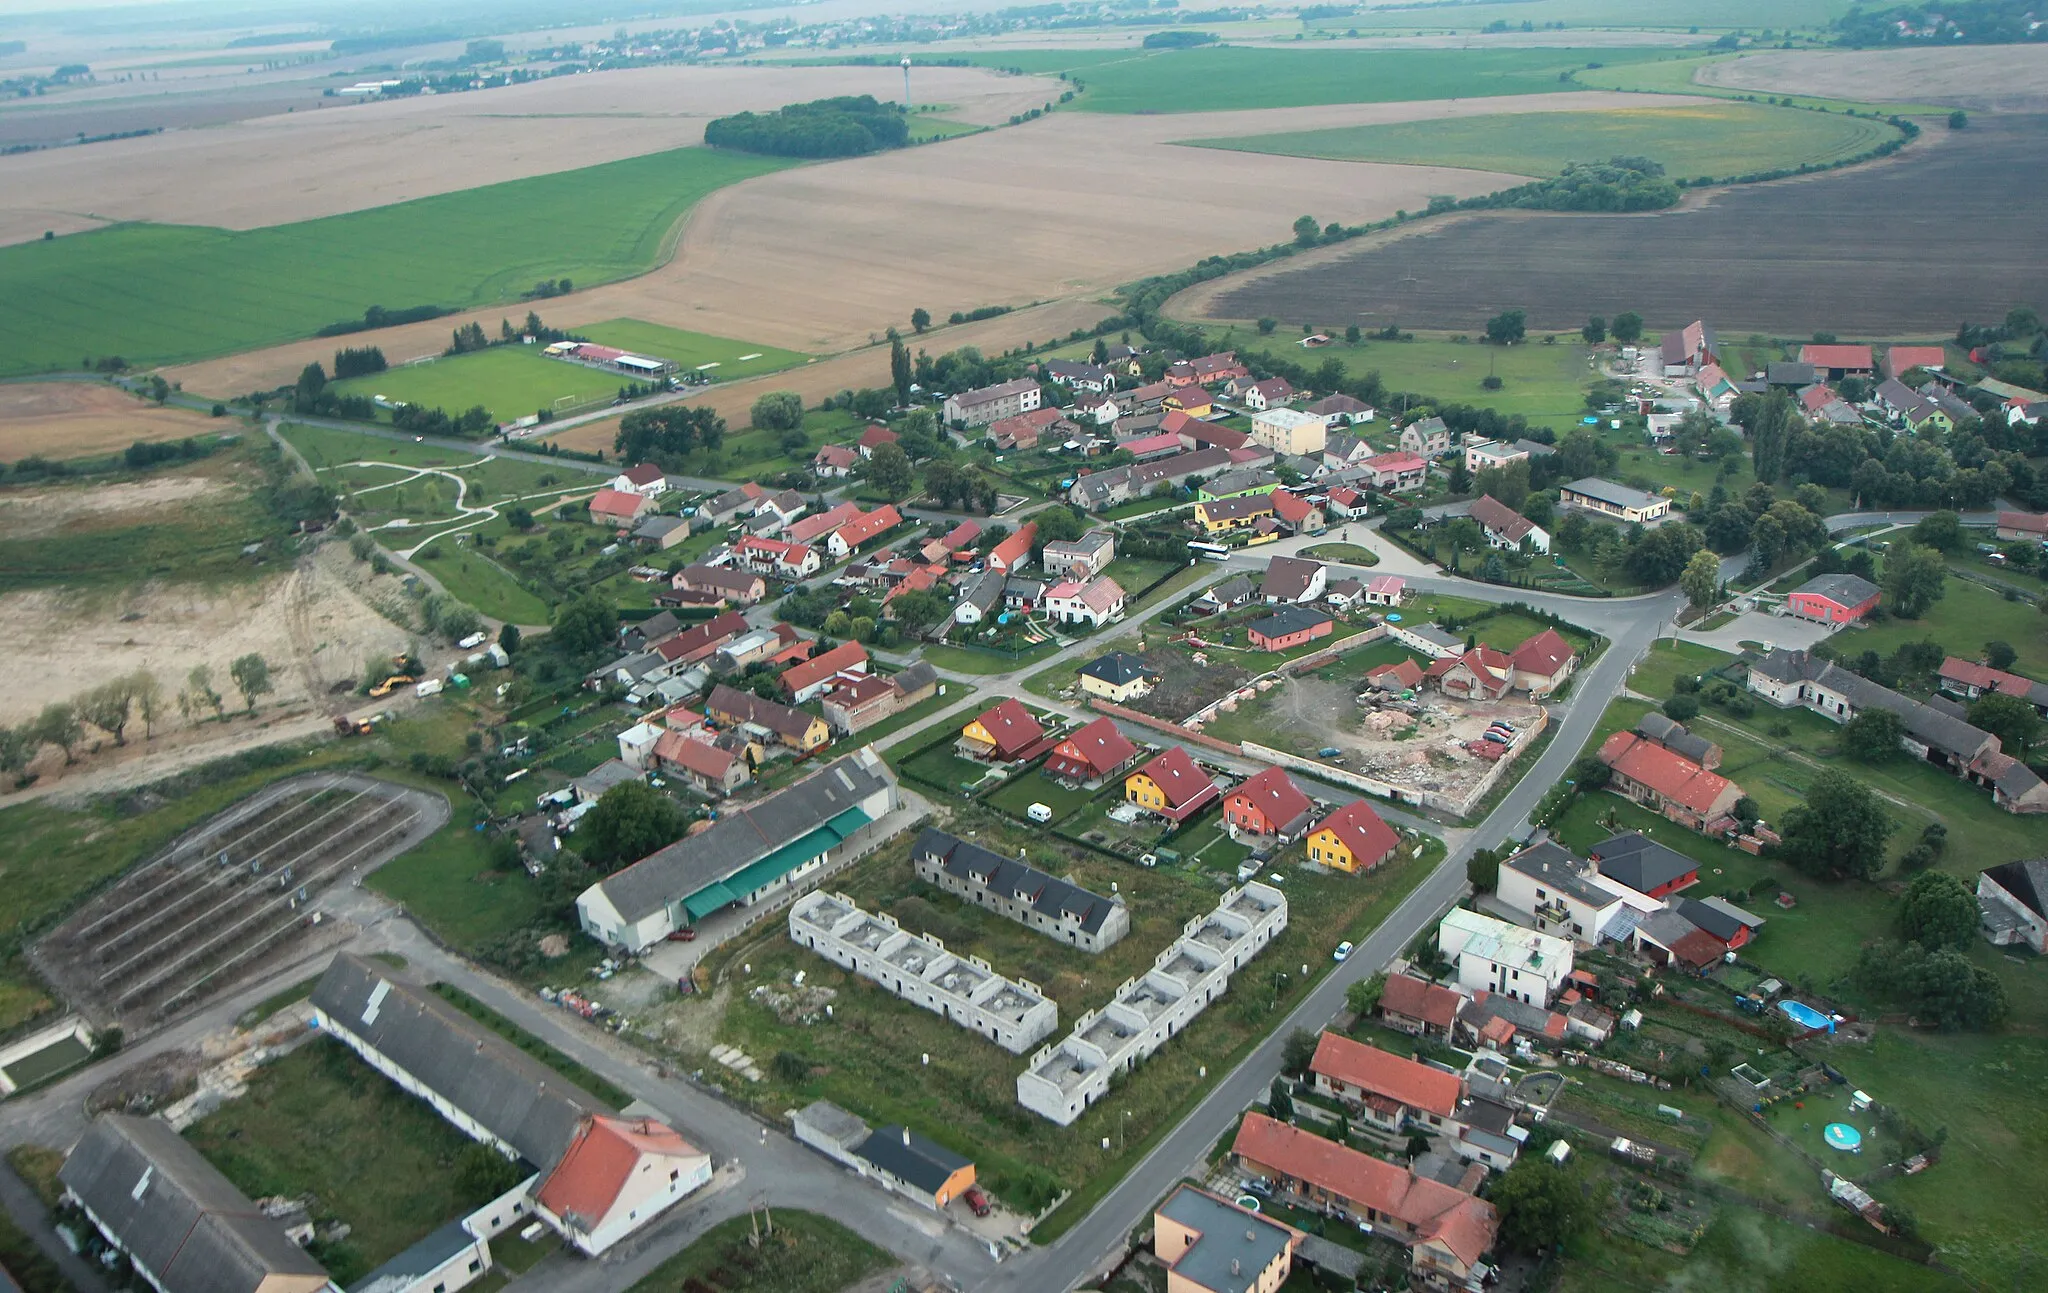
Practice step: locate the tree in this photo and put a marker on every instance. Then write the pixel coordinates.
(585, 624)
(1267, 325)
(2011, 719)
(149, 700)
(107, 707)
(306, 392)
(1958, 120)
(1839, 832)
(508, 638)
(1939, 911)
(1507, 327)
(632, 820)
(1541, 1205)
(1700, 581)
(1914, 579)
(899, 367)
(199, 686)
(1681, 709)
(17, 748)
(779, 411)
(1628, 328)
(1770, 429)
(1363, 997)
(251, 673)
(1873, 735)
(58, 725)
(1999, 655)
(890, 472)
(1298, 1051)
(1942, 531)
(1938, 985)
(1595, 330)
(1279, 1104)
(1306, 231)
(1482, 870)
(920, 319)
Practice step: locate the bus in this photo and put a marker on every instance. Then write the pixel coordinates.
(1209, 551)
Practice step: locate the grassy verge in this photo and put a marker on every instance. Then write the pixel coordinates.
(967, 660)
(533, 1046)
(805, 1253)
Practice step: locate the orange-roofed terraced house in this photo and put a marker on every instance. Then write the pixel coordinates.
(1388, 1090)
(1096, 751)
(1352, 839)
(1171, 786)
(1669, 783)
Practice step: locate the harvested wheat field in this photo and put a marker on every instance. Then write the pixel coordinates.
(77, 419)
(2007, 77)
(296, 166)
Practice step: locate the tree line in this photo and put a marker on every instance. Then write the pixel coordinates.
(115, 705)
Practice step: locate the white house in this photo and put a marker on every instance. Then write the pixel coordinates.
(1096, 602)
(2010, 901)
(1494, 956)
(644, 479)
(1560, 892)
(978, 408)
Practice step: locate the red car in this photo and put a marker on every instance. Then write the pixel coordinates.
(683, 936)
(978, 1201)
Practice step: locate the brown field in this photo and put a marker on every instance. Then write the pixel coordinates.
(2010, 78)
(296, 166)
(1785, 258)
(75, 419)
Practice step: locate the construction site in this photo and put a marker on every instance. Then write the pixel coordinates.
(232, 898)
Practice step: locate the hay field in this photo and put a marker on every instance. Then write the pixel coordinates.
(302, 165)
(78, 419)
(2005, 77)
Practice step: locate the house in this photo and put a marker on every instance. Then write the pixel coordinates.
(1426, 437)
(759, 716)
(1197, 435)
(1342, 451)
(1720, 920)
(1497, 1022)
(1221, 366)
(183, 1226)
(1149, 448)
(599, 1176)
(1401, 676)
(980, 407)
(1227, 515)
(1289, 431)
(1078, 376)
(1004, 733)
(835, 461)
(1300, 515)
(1833, 599)
(709, 768)
(1685, 351)
(1225, 595)
(1494, 956)
(731, 505)
(1397, 473)
(1171, 785)
(1445, 1229)
(1560, 892)
(1094, 752)
(1027, 430)
(1011, 889)
(1419, 1007)
(2023, 526)
(1385, 590)
(869, 698)
(1352, 839)
(642, 478)
(1341, 410)
(1482, 673)
(1542, 662)
(660, 533)
(863, 529)
(873, 438)
(1293, 581)
(1606, 498)
(813, 677)
(1839, 361)
(2012, 903)
(909, 1164)
(1209, 1245)
(1636, 861)
(1504, 527)
(1118, 677)
(1914, 409)
(786, 560)
(1674, 736)
(1191, 400)
(1268, 803)
(1097, 408)
(1968, 679)
(1900, 360)
(956, 544)
(1288, 627)
(736, 586)
(590, 787)
(1234, 484)
(1097, 490)
(1096, 602)
(1343, 594)
(1669, 783)
(1079, 558)
(699, 643)
(618, 508)
(1427, 639)
(980, 597)
(815, 530)
(1389, 1091)
(1014, 553)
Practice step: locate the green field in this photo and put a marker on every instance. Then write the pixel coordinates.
(719, 357)
(510, 381)
(1967, 616)
(168, 293)
(1701, 140)
(1700, 15)
(804, 1253)
(1546, 384)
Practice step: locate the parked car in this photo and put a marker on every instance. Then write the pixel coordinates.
(1343, 951)
(978, 1202)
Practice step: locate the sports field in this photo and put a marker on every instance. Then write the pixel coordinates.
(692, 350)
(1717, 140)
(510, 381)
(159, 293)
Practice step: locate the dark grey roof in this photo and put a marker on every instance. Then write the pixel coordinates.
(655, 527)
(759, 711)
(1711, 919)
(174, 1211)
(658, 625)
(1288, 577)
(1790, 373)
(984, 590)
(1924, 723)
(1665, 927)
(911, 1158)
(1674, 736)
(1235, 1247)
(1487, 1115)
(1610, 493)
(915, 676)
(1842, 589)
(515, 1097)
(635, 666)
(1231, 591)
(1550, 865)
(1636, 860)
(1288, 619)
(1048, 895)
(743, 836)
(423, 1258)
(612, 772)
(1116, 668)
(2026, 881)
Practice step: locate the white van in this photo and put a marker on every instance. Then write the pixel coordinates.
(1039, 813)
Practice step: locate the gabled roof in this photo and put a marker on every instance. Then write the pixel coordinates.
(1900, 359)
(1177, 777)
(877, 436)
(1291, 508)
(1606, 491)
(1844, 590)
(819, 667)
(1382, 463)
(1985, 678)
(1836, 356)
(1545, 653)
(1404, 675)
(720, 578)
(692, 755)
(1361, 830)
(1670, 775)
(1636, 860)
(1556, 867)
(1376, 1072)
(645, 473)
(1013, 549)
(1275, 795)
(862, 528)
(1288, 578)
(1498, 518)
(1099, 746)
(836, 455)
(1010, 726)
(599, 1163)
(2026, 522)
(1672, 734)
(1286, 620)
(1048, 895)
(745, 707)
(990, 394)
(1414, 998)
(617, 502)
(2026, 881)
(911, 1158)
(813, 529)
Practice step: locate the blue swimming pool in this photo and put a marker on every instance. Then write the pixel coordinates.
(1806, 1016)
(1840, 1135)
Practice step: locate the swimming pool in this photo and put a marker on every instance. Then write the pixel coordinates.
(1840, 1135)
(1806, 1016)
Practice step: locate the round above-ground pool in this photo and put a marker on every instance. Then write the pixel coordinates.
(1806, 1016)
(1840, 1135)
(1249, 1202)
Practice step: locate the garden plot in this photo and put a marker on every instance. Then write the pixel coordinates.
(230, 898)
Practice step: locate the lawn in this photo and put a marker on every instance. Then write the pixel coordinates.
(1545, 384)
(1749, 1252)
(471, 576)
(169, 293)
(1655, 673)
(322, 1122)
(510, 381)
(1967, 616)
(980, 660)
(1716, 140)
(719, 357)
(450, 884)
(1019, 793)
(804, 1253)
(1349, 554)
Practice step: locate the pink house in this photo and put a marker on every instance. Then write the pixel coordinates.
(1833, 599)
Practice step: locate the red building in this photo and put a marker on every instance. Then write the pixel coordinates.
(1092, 753)
(1833, 599)
(1268, 804)
(1290, 626)
(1171, 785)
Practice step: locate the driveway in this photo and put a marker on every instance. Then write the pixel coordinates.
(1788, 631)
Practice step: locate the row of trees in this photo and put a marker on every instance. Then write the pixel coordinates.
(668, 433)
(113, 706)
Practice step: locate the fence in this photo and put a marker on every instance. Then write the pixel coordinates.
(1168, 726)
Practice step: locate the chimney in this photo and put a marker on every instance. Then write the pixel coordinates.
(906, 1138)
(1234, 1266)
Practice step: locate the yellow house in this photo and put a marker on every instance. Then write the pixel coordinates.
(1209, 1245)
(1191, 400)
(1352, 839)
(1226, 514)
(1171, 785)
(1117, 677)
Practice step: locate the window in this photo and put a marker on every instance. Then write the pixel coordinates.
(475, 1265)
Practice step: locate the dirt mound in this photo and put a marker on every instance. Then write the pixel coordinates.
(33, 513)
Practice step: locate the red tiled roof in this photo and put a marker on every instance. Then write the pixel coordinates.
(645, 473)
(1900, 359)
(1406, 674)
(822, 666)
(836, 455)
(1007, 553)
(1098, 748)
(1398, 461)
(617, 502)
(2025, 522)
(1542, 654)
(1412, 998)
(1985, 678)
(877, 436)
(962, 536)
(691, 644)
(1670, 775)
(1011, 727)
(1178, 779)
(600, 1161)
(700, 757)
(1373, 1070)
(1291, 508)
(1361, 830)
(862, 528)
(1828, 356)
(1164, 442)
(1275, 795)
(812, 529)
(1498, 517)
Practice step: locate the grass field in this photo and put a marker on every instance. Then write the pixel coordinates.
(1701, 15)
(473, 577)
(161, 293)
(510, 381)
(1708, 140)
(1967, 616)
(1673, 73)
(719, 357)
(1545, 384)
(450, 884)
(805, 1254)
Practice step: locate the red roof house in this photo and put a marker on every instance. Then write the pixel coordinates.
(1900, 360)
(1396, 1089)
(816, 529)
(692, 645)
(864, 529)
(1838, 361)
(616, 1171)
(1014, 553)
(1481, 673)
(1668, 782)
(1006, 732)
(1417, 1006)
(1171, 785)
(1094, 752)
(1542, 662)
(874, 438)
(835, 460)
(1353, 839)
(814, 676)
(1268, 803)
(618, 507)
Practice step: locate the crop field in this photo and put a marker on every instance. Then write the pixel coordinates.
(719, 357)
(510, 381)
(2007, 77)
(76, 419)
(163, 293)
(1701, 15)
(1782, 258)
(1699, 140)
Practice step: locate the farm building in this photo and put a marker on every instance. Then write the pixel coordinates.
(1669, 783)
(2012, 903)
(1839, 361)
(618, 508)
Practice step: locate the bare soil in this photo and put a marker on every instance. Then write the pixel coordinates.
(1784, 258)
(77, 419)
(2011, 78)
(1185, 688)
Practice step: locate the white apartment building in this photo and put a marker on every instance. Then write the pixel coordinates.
(1285, 430)
(1494, 956)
